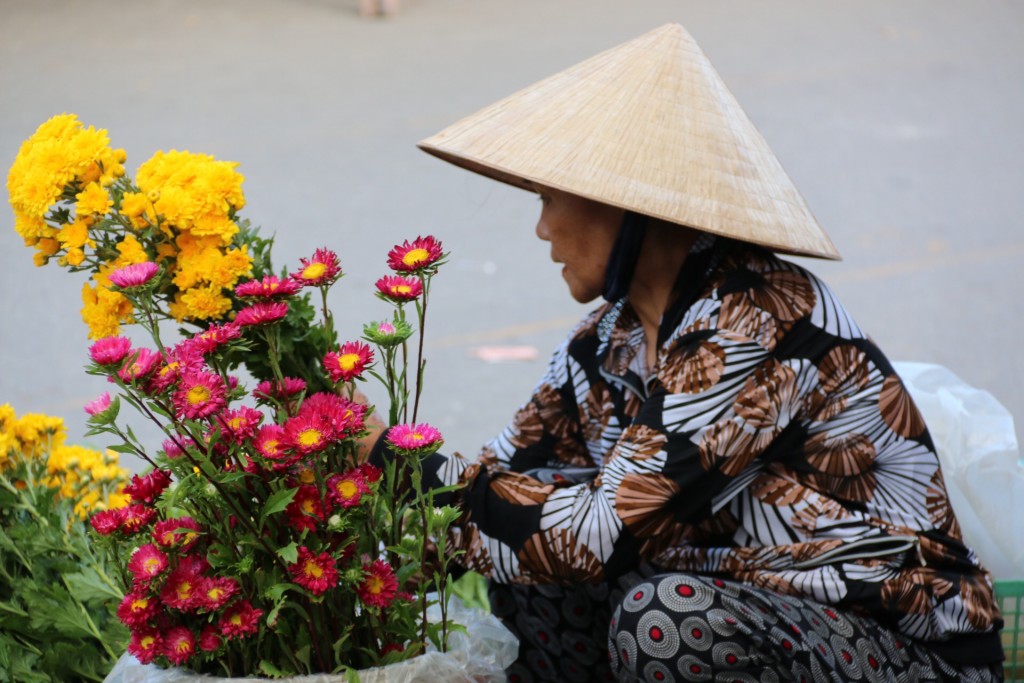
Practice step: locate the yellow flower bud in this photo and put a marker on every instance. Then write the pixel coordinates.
(48, 246)
(75, 257)
(153, 196)
(39, 259)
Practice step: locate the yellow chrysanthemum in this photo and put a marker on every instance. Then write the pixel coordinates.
(201, 303)
(104, 311)
(93, 201)
(59, 153)
(138, 208)
(73, 235)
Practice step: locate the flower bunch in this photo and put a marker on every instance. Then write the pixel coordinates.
(73, 202)
(33, 452)
(58, 596)
(262, 541)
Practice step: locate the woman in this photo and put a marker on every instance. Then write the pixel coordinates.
(720, 474)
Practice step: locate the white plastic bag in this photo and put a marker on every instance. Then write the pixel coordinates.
(479, 655)
(981, 463)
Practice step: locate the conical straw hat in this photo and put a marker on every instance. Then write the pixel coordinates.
(648, 126)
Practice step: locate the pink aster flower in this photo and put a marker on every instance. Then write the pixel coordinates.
(98, 404)
(179, 645)
(136, 517)
(269, 442)
(308, 433)
(348, 362)
(342, 416)
(379, 585)
(175, 448)
(262, 313)
(137, 608)
(199, 395)
(315, 573)
(239, 425)
(145, 644)
(110, 350)
(146, 489)
(268, 391)
(323, 269)
(213, 337)
(215, 592)
(269, 287)
(240, 619)
(306, 510)
(346, 490)
(209, 639)
(182, 359)
(106, 522)
(139, 365)
(134, 275)
(399, 288)
(147, 563)
(410, 257)
(179, 533)
(369, 472)
(418, 439)
(181, 589)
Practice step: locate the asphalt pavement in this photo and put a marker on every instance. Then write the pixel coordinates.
(899, 122)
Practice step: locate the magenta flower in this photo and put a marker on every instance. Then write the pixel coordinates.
(199, 395)
(269, 287)
(414, 440)
(134, 275)
(263, 313)
(411, 257)
(240, 424)
(106, 522)
(140, 364)
(399, 288)
(348, 362)
(179, 644)
(344, 417)
(317, 573)
(240, 619)
(110, 350)
(174, 448)
(98, 404)
(323, 269)
(269, 442)
(266, 391)
(147, 563)
(213, 337)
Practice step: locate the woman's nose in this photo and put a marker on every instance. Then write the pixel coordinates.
(542, 229)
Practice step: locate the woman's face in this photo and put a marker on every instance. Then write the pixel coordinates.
(582, 233)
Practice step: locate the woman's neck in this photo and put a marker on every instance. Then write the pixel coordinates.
(652, 290)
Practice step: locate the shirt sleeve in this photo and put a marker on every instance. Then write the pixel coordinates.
(719, 404)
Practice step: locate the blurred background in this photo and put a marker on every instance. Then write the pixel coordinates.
(900, 123)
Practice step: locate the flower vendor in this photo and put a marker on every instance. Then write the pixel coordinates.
(720, 472)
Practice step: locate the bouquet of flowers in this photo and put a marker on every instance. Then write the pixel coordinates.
(261, 541)
(58, 596)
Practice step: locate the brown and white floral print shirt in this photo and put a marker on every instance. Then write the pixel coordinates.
(771, 443)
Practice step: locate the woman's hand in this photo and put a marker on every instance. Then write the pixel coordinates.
(374, 429)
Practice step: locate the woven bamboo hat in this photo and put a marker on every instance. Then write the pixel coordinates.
(647, 126)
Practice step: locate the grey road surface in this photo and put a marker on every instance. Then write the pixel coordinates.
(899, 121)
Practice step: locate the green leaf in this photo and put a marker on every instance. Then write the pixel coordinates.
(268, 669)
(277, 502)
(87, 586)
(289, 553)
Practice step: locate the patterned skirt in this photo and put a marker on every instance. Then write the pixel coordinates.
(681, 627)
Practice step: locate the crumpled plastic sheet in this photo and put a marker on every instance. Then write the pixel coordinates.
(478, 655)
(981, 464)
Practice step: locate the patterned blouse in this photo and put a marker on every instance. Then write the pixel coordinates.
(771, 443)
